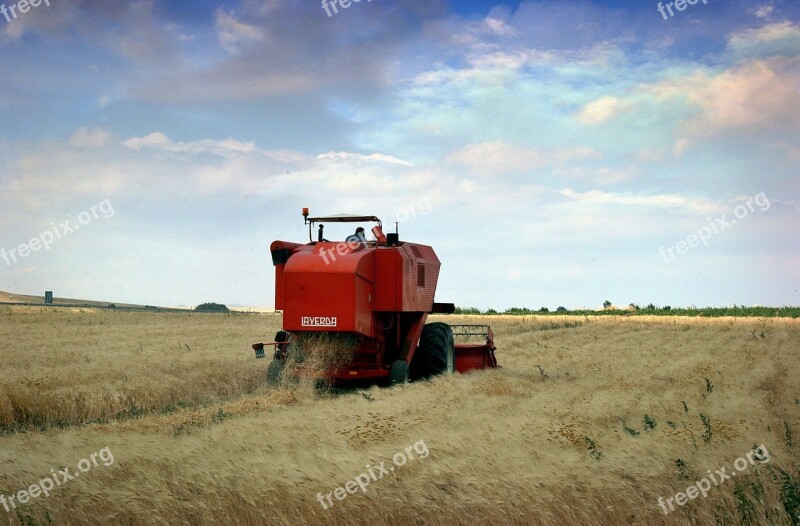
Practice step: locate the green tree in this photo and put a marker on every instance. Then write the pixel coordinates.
(211, 307)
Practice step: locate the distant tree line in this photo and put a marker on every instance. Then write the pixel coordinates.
(211, 307)
(650, 309)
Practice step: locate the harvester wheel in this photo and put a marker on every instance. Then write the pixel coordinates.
(275, 372)
(398, 373)
(436, 352)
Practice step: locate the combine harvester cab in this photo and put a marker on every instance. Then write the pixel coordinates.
(369, 300)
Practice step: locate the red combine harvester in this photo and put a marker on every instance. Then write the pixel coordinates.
(375, 297)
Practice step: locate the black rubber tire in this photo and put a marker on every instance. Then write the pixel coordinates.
(275, 372)
(398, 373)
(435, 354)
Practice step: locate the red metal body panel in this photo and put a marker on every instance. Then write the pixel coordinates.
(388, 289)
(420, 275)
(405, 278)
(326, 291)
(278, 246)
(331, 279)
(470, 356)
(384, 294)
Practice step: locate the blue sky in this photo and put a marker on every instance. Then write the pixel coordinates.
(553, 153)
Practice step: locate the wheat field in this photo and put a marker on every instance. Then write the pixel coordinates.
(589, 420)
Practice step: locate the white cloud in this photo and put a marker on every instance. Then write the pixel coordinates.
(763, 11)
(493, 66)
(602, 110)
(601, 55)
(360, 158)
(225, 148)
(498, 27)
(159, 141)
(757, 95)
(776, 39)
(207, 168)
(511, 60)
(700, 205)
(756, 98)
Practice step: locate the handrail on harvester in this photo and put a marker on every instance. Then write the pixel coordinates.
(341, 218)
(483, 331)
